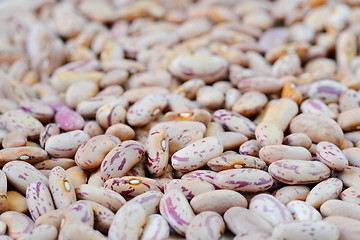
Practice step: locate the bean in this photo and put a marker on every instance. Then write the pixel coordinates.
(352, 155)
(44, 231)
(3, 184)
(78, 212)
(17, 223)
(89, 107)
(155, 227)
(334, 207)
(110, 114)
(25, 154)
(206, 225)
(250, 103)
(273, 153)
(93, 129)
(82, 231)
(38, 109)
(231, 161)
(250, 147)
(349, 176)
(122, 131)
(54, 217)
(61, 188)
(69, 120)
(188, 187)
(231, 140)
(298, 139)
(14, 139)
(302, 211)
(38, 199)
(48, 131)
(348, 227)
(17, 202)
(157, 147)
(290, 193)
(351, 194)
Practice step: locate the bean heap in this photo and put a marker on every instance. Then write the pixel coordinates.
(165, 119)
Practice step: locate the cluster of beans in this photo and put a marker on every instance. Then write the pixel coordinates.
(168, 119)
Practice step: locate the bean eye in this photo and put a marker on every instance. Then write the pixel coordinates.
(186, 115)
(163, 144)
(135, 181)
(65, 184)
(24, 157)
(155, 112)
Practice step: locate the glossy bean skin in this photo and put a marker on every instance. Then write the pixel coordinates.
(17, 223)
(157, 147)
(289, 193)
(323, 191)
(233, 161)
(38, 199)
(61, 188)
(206, 225)
(155, 227)
(149, 201)
(302, 211)
(351, 194)
(27, 154)
(331, 155)
(188, 187)
(78, 212)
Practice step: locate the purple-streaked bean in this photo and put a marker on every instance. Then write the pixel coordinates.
(349, 120)
(139, 170)
(149, 201)
(217, 201)
(20, 174)
(189, 188)
(102, 216)
(210, 97)
(302, 211)
(130, 213)
(104, 196)
(197, 154)
(26, 154)
(48, 131)
(298, 139)
(38, 109)
(306, 230)
(44, 232)
(109, 114)
(65, 144)
(335, 207)
(3, 184)
(350, 176)
(233, 161)
(250, 147)
(80, 91)
(262, 84)
(176, 128)
(38, 199)
(200, 175)
(231, 140)
(130, 187)
(289, 193)
(91, 153)
(20, 121)
(352, 154)
(69, 120)
(271, 209)
(326, 90)
(49, 164)
(242, 221)
(121, 159)
(134, 95)
(157, 147)
(93, 128)
(77, 176)
(176, 210)
(80, 231)
(209, 68)
(243, 180)
(78, 212)
(194, 115)
(329, 154)
(150, 78)
(316, 106)
(17, 223)
(61, 188)
(298, 171)
(122, 131)
(273, 153)
(54, 217)
(348, 227)
(349, 99)
(146, 109)
(184, 139)
(235, 122)
(206, 225)
(156, 228)
(314, 126)
(269, 133)
(88, 108)
(17, 202)
(250, 103)
(351, 194)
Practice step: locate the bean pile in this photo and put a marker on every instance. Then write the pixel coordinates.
(167, 119)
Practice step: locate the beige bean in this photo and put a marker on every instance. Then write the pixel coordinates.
(109, 114)
(14, 139)
(103, 217)
(250, 103)
(61, 188)
(155, 227)
(262, 84)
(242, 221)
(48, 131)
(44, 232)
(250, 147)
(349, 176)
(190, 88)
(302, 211)
(130, 213)
(80, 231)
(206, 225)
(93, 129)
(54, 217)
(200, 175)
(298, 139)
(78, 212)
(348, 227)
(24, 154)
(3, 228)
(49, 164)
(273, 153)
(38, 109)
(38, 199)
(282, 112)
(316, 106)
(217, 201)
(113, 90)
(271, 209)
(88, 108)
(194, 115)
(134, 95)
(348, 120)
(306, 230)
(122, 131)
(352, 155)
(101, 195)
(79, 91)
(233, 161)
(184, 139)
(17, 202)
(176, 128)
(77, 176)
(189, 188)
(17, 223)
(269, 133)
(91, 153)
(290, 193)
(149, 201)
(3, 184)
(334, 207)
(157, 147)
(351, 194)
(210, 97)
(114, 77)
(95, 178)
(298, 171)
(231, 140)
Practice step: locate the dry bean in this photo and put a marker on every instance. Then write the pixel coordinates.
(122, 131)
(352, 155)
(189, 188)
(350, 176)
(3, 228)
(69, 120)
(44, 232)
(49, 164)
(92, 128)
(348, 227)
(54, 217)
(316, 106)
(351, 194)
(231, 140)
(157, 147)
(103, 217)
(250, 103)
(290, 193)
(269, 133)
(80, 231)
(149, 201)
(17, 202)
(231, 161)
(14, 139)
(38, 109)
(155, 227)
(336, 207)
(3, 184)
(134, 95)
(176, 128)
(79, 91)
(302, 211)
(61, 188)
(273, 153)
(17, 223)
(48, 131)
(206, 225)
(88, 108)
(110, 114)
(38, 199)
(298, 139)
(78, 212)
(250, 147)
(194, 115)
(77, 176)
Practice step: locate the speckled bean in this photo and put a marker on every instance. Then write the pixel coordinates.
(298, 171)
(121, 159)
(130, 213)
(189, 188)
(250, 147)
(243, 180)
(17, 223)
(270, 208)
(298, 139)
(65, 144)
(93, 128)
(149, 201)
(80, 231)
(262, 84)
(38, 109)
(273, 153)
(331, 155)
(327, 91)
(104, 196)
(335, 207)
(349, 99)
(302, 211)
(349, 119)
(269, 133)
(78, 212)
(26, 154)
(54, 217)
(21, 174)
(350, 176)
(79, 91)
(316, 106)
(110, 114)
(306, 230)
(38, 199)
(217, 201)
(48, 131)
(156, 228)
(250, 103)
(44, 232)
(176, 210)
(49, 164)
(200, 175)
(210, 97)
(90, 154)
(176, 128)
(61, 188)
(206, 225)
(194, 115)
(242, 221)
(289, 193)
(351, 194)
(103, 216)
(349, 228)
(197, 154)
(231, 161)
(89, 107)
(184, 139)
(157, 147)
(77, 176)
